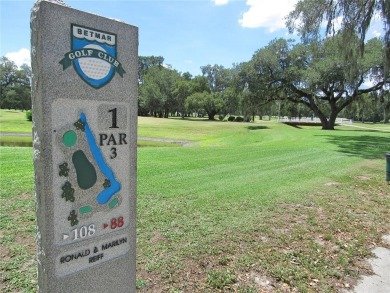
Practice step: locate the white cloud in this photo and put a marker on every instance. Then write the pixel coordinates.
(376, 29)
(20, 57)
(368, 83)
(220, 2)
(267, 14)
(167, 66)
(376, 34)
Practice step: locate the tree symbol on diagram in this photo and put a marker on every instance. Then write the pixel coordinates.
(84, 167)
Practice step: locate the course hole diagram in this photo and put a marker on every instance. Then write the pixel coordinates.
(89, 183)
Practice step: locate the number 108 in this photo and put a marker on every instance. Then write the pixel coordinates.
(83, 231)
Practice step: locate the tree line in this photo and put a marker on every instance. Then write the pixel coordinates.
(284, 77)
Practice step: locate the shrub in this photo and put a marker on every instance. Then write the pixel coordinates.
(231, 118)
(29, 115)
(221, 117)
(239, 119)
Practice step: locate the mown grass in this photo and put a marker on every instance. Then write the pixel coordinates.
(246, 208)
(14, 121)
(17, 220)
(236, 188)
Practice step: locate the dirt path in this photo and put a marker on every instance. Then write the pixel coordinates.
(379, 282)
(181, 142)
(15, 134)
(368, 128)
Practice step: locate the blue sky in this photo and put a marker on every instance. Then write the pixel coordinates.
(187, 33)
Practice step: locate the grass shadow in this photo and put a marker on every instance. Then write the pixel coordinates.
(16, 143)
(363, 130)
(364, 146)
(297, 124)
(194, 119)
(257, 127)
(293, 125)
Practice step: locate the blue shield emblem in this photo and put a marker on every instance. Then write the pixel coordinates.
(94, 55)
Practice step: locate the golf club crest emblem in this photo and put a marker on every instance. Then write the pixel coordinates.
(94, 55)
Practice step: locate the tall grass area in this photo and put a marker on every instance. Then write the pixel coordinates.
(241, 202)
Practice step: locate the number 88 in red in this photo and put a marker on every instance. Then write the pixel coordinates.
(117, 223)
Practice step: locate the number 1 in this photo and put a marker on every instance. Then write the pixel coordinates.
(114, 118)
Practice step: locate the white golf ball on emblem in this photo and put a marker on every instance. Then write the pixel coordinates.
(93, 67)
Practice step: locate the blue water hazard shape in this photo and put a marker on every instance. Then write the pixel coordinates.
(104, 196)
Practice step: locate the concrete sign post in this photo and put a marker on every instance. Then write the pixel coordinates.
(85, 79)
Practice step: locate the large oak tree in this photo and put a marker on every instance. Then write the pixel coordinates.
(316, 75)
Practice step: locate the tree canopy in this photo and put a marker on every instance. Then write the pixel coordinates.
(15, 88)
(146, 62)
(156, 91)
(348, 18)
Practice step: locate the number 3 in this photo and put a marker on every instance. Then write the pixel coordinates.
(113, 153)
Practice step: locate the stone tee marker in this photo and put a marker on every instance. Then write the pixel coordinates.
(85, 89)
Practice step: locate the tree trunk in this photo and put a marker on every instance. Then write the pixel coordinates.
(386, 110)
(324, 121)
(327, 124)
(211, 115)
(332, 121)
